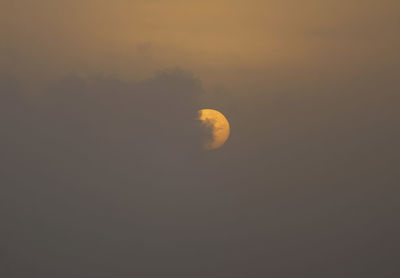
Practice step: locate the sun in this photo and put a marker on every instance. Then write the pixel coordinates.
(219, 125)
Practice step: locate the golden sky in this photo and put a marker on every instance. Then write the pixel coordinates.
(217, 40)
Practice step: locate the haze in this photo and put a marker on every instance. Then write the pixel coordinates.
(102, 171)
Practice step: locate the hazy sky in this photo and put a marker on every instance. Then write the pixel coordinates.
(218, 40)
(102, 173)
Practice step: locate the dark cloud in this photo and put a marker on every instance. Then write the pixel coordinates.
(103, 178)
(92, 160)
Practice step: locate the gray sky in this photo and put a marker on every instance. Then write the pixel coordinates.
(102, 171)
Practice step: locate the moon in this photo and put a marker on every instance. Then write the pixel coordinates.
(219, 126)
